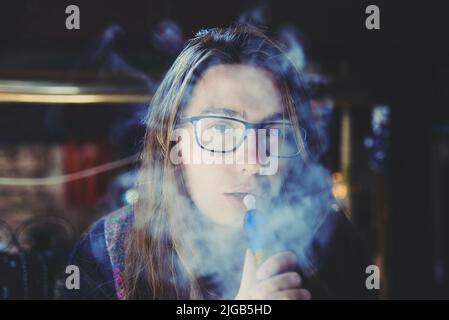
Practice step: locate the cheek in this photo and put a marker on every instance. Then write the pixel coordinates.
(199, 175)
(203, 176)
(200, 172)
(205, 183)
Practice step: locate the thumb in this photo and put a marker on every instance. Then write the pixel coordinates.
(248, 274)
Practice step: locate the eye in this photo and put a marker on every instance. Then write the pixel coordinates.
(221, 127)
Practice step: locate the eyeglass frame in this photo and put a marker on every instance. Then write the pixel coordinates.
(248, 125)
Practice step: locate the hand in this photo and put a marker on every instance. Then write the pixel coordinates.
(275, 279)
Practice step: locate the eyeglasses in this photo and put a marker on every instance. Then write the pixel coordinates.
(225, 134)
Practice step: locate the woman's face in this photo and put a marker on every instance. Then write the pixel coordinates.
(218, 188)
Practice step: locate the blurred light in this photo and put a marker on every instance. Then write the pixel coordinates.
(339, 187)
(168, 37)
(76, 98)
(380, 118)
(62, 93)
(377, 141)
(130, 196)
(53, 180)
(380, 155)
(369, 142)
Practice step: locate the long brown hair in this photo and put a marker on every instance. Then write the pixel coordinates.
(155, 266)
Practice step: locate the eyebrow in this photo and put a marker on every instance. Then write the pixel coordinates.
(223, 111)
(232, 113)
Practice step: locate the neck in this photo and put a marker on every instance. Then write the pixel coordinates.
(216, 256)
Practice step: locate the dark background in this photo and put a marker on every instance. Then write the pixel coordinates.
(404, 65)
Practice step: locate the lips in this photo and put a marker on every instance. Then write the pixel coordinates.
(240, 195)
(237, 198)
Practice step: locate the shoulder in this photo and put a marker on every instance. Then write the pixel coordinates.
(99, 254)
(117, 227)
(339, 252)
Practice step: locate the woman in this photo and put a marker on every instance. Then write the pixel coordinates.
(202, 155)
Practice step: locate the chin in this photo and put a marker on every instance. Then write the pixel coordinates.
(234, 220)
(225, 215)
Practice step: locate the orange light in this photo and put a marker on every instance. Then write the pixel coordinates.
(339, 187)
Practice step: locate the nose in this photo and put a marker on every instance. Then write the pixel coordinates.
(247, 154)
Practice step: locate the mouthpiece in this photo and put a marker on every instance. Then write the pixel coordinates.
(250, 202)
(253, 225)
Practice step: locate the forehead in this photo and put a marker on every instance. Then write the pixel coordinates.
(246, 89)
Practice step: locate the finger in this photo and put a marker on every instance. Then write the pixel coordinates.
(285, 281)
(298, 294)
(278, 263)
(249, 270)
